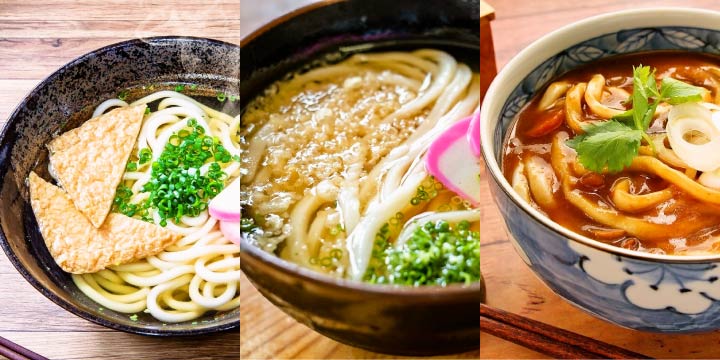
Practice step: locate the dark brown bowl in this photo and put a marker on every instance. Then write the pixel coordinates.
(64, 100)
(391, 319)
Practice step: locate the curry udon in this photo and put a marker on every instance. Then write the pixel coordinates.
(625, 151)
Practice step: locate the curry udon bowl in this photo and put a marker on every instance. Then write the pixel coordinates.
(64, 100)
(384, 318)
(643, 291)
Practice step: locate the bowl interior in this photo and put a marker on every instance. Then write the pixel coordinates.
(578, 44)
(293, 41)
(63, 101)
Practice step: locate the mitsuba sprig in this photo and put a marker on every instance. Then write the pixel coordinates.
(612, 145)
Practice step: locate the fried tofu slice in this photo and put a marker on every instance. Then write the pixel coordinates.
(77, 246)
(89, 161)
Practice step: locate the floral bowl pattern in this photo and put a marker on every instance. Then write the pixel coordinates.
(642, 291)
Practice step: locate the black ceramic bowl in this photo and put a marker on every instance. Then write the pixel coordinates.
(401, 320)
(64, 100)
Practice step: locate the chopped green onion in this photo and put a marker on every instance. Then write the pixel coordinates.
(144, 156)
(436, 253)
(177, 188)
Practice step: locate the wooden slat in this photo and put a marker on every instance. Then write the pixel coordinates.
(29, 306)
(122, 346)
(519, 22)
(11, 93)
(94, 5)
(137, 11)
(268, 333)
(254, 14)
(221, 28)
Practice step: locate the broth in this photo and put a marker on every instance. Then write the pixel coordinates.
(690, 225)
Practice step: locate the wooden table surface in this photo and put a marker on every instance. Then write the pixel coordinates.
(36, 38)
(510, 283)
(265, 331)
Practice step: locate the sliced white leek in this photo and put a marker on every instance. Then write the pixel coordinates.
(690, 121)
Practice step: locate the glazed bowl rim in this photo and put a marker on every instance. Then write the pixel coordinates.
(550, 45)
(294, 270)
(14, 259)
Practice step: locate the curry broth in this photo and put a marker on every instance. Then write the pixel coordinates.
(680, 209)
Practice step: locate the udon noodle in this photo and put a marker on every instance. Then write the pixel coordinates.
(333, 157)
(199, 273)
(664, 198)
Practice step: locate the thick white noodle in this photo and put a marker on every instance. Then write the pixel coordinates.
(107, 105)
(444, 91)
(449, 216)
(199, 273)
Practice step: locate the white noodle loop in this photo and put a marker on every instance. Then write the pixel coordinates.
(199, 273)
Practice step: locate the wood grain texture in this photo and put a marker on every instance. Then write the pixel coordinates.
(36, 38)
(510, 283)
(268, 333)
(265, 331)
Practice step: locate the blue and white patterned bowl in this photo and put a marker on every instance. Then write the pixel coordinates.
(637, 290)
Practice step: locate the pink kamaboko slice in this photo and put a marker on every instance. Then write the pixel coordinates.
(451, 161)
(231, 231)
(225, 206)
(473, 134)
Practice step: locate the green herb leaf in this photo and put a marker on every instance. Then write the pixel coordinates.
(615, 143)
(677, 92)
(643, 87)
(626, 117)
(607, 144)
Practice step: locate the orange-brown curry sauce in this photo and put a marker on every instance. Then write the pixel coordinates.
(525, 138)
